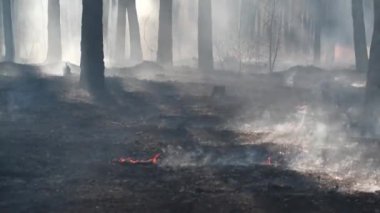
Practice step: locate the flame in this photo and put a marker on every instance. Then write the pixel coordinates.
(129, 160)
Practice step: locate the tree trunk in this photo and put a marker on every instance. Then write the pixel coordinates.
(205, 41)
(8, 31)
(92, 55)
(317, 32)
(372, 99)
(317, 43)
(165, 33)
(121, 29)
(2, 47)
(373, 76)
(134, 31)
(54, 53)
(360, 42)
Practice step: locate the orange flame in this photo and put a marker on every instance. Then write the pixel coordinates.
(129, 160)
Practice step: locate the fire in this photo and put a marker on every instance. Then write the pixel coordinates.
(131, 161)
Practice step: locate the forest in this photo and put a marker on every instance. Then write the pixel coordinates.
(190, 106)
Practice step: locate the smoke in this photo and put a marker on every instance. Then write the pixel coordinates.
(30, 30)
(327, 146)
(71, 16)
(315, 134)
(147, 11)
(239, 33)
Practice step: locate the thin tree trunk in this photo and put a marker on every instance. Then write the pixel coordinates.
(2, 47)
(121, 30)
(134, 31)
(92, 55)
(287, 31)
(317, 43)
(165, 33)
(317, 32)
(205, 40)
(360, 43)
(8, 31)
(54, 53)
(258, 34)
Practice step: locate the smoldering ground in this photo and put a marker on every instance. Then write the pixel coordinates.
(286, 137)
(250, 135)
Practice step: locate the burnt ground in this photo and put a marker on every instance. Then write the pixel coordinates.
(57, 145)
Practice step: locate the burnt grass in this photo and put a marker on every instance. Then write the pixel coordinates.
(57, 146)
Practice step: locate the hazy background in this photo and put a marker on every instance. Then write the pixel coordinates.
(230, 31)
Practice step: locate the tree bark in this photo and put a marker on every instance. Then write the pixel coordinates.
(165, 33)
(8, 31)
(134, 31)
(121, 30)
(360, 43)
(54, 53)
(205, 40)
(92, 55)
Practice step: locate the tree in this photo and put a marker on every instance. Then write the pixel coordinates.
(205, 41)
(372, 99)
(8, 31)
(134, 31)
(317, 31)
(92, 55)
(360, 42)
(121, 29)
(54, 32)
(274, 36)
(165, 33)
(373, 76)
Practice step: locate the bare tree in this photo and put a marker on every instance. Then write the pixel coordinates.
(361, 54)
(92, 55)
(274, 36)
(165, 33)
(205, 40)
(8, 31)
(134, 31)
(54, 53)
(317, 31)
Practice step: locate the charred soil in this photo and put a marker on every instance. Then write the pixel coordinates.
(57, 147)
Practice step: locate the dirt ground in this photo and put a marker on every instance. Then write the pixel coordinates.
(57, 145)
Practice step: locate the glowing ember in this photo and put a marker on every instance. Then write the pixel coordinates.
(131, 161)
(269, 161)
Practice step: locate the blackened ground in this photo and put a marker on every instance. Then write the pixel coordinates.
(56, 148)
